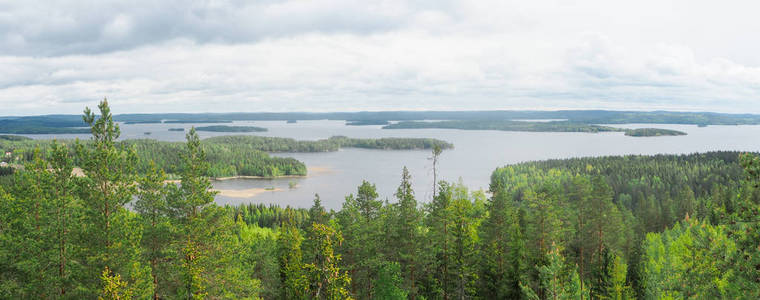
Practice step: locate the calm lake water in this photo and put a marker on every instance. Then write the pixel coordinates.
(476, 154)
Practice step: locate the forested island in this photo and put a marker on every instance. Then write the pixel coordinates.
(276, 144)
(505, 125)
(229, 155)
(366, 122)
(617, 227)
(532, 126)
(176, 129)
(644, 132)
(224, 128)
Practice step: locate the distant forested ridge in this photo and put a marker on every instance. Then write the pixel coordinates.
(223, 128)
(7, 137)
(58, 124)
(49, 124)
(578, 116)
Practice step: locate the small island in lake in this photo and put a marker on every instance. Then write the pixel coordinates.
(291, 121)
(366, 122)
(143, 122)
(225, 128)
(176, 129)
(645, 132)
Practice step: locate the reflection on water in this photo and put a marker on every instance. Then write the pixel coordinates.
(476, 154)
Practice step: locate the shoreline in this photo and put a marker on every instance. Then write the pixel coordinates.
(256, 177)
(244, 193)
(311, 171)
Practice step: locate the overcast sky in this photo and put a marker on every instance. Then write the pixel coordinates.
(336, 55)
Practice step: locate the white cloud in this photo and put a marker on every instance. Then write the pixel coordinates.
(119, 27)
(386, 55)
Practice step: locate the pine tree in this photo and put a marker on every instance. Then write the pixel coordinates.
(209, 251)
(439, 219)
(517, 263)
(497, 238)
(111, 238)
(61, 165)
(152, 205)
(359, 222)
(463, 240)
(404, 244)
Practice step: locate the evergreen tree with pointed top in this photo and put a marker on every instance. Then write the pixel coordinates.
(159, 232)
(404, 227)
(111, 236)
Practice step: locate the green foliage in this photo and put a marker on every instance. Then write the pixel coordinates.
(690, 261)
(362, 229)
(210, 251)
(225, 159)
(405, 236)
(293, 279)
(557, 281)
(113, 234)
(269, 216)
(388, 283)
(158, 231)
(260, 257)
(326, 280)
(113, 287)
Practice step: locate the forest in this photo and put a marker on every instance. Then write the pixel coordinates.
(618, 227)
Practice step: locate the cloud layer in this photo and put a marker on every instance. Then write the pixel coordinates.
(157, 56)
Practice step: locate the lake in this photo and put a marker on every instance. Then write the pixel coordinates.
(475, 155)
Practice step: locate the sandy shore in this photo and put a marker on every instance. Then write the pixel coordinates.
(246, 193)
(256, 177)
(311, 171)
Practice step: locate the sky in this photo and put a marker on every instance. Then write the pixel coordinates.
(150, 56)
